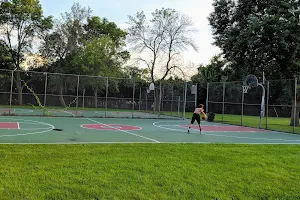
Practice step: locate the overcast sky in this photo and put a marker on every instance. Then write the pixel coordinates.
(118, 10)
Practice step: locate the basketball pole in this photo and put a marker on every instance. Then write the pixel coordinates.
(207, 93)
(262, 106)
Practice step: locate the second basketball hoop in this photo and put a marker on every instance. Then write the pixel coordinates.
(152, 86)
(249, 82)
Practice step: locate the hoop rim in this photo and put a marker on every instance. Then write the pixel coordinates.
(246, 88)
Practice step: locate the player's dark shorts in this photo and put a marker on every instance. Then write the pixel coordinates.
(195, 117)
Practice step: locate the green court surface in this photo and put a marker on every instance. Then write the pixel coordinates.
(68, 130)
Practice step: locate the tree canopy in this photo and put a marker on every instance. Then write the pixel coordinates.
(257, 36)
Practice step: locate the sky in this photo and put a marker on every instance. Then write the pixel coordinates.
(118, 10)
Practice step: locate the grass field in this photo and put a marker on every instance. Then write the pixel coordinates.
(150, 171)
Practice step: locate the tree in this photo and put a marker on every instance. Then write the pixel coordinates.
(215, 71)
(62, 47)
(6, 61)
(162, 39)
(97, 27)
(257, 36)
(103, 54)
(160, 42)
(140, 75)
(21, 21)
(99, 57)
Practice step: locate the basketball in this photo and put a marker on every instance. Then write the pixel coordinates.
(204, 117)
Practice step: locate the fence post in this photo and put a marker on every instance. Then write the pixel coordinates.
(178, 106)
(133, 95)
(45, 92)
(160, 94)
(146, 100)
(223, 104)
(140, 98)
(268, 94)
(162, 98)
(77, 93)
(295, 104)
(184, 103)
(83, 94)
(207, 93)
(172, 100)
(11, 90)
(242, 108)
(106, 95)
(196, 97)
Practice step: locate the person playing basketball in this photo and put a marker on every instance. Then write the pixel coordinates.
(196, 116)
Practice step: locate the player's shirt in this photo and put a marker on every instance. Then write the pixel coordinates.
(198, 110)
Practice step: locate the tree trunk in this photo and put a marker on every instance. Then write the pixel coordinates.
(293, 117)
(19, 88)
(96, 97)
(61, 97)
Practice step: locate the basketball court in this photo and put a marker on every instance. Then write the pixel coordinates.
(69, 130)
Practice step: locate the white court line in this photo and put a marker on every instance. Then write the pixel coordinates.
(215, 131)
(23, 111)
(68, 112)
(239, 137)
(123, 130)
(51, 127)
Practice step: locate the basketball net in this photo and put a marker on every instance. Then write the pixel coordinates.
(246, 88)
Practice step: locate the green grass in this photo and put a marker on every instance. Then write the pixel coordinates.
(150, 171)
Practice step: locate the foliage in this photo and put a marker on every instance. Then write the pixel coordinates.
(257, 36)
(215, 71)
(6, 61)
(22, 21)
(97, 27)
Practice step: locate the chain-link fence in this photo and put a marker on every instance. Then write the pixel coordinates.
(280, 110)
(68, 95)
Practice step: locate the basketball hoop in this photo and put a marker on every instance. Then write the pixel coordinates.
(246, 88)
(193, 89)
(151, 87)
